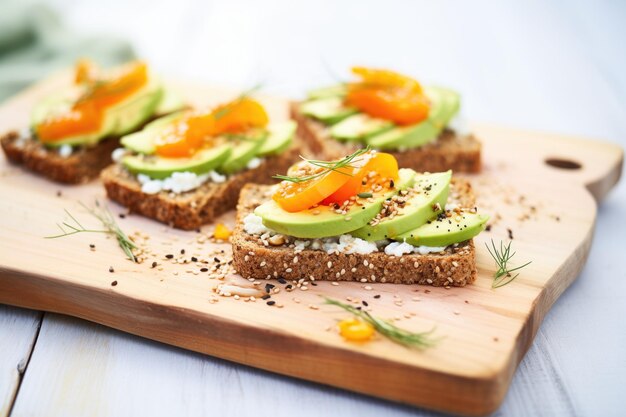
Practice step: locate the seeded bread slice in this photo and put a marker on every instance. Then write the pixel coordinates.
(460, 153)
(83, 165)
(254, 258)
(192, 209)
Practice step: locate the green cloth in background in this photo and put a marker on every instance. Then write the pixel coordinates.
(34, 44)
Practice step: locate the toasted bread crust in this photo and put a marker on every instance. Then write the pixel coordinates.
(456, 266)
(83, 165)
(190, 210)
(449, 151)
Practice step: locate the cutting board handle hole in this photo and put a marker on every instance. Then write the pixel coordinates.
(560, 163)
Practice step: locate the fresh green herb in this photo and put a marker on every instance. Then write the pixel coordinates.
(364, 195)
(326, 166)
(503, 275)
(110, 227)
(388, 330)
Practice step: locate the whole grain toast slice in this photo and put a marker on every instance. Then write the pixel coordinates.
(254, 257)
(84, 164)
(81, 166)
(192, 209)
(460, 153)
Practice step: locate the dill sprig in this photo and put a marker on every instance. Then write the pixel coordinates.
(503, 275)
(327, 166)
(110, 227)
(387, 329)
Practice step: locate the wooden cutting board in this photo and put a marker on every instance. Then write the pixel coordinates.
(550, 211)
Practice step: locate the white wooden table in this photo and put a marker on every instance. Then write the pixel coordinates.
(558, 66)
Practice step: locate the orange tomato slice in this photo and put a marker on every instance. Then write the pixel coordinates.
(388, 95)
(385, 166)
(101, 91)
(385, 78)
(76, 121)
(191, 133)
(293, 197)
(239, 116)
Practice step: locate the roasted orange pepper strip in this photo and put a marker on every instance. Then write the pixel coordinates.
(388, 95)
(186, 136)
(301, 196)
(101, 91)
(385, 166)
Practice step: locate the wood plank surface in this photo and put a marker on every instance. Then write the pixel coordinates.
(18, 333)
(486, 331)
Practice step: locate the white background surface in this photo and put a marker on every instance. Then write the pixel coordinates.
(558, 66)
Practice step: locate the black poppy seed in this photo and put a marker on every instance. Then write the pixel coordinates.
(169, 256)
(392, 184)
(488, 228)
(282, 280)
(377, 296)
(122, 216)
(358, 307)
(114, 283)
(289, 286)
(510, 232)
(194, 259)
(204, 269)
(266, 296)
(271, 302)
(314, 284)
(216, 259)
(59, 193)
(182, 251)
(365, 303)
(92, 246)
(154, 264)
(111, 269)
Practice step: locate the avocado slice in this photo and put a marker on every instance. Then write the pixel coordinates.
(279, 138)
(140, 142)
(244, 149)
(143, 141)
(328, 110)
(171, 101)
(158, 167)
(359, 127)
(325, 92)
(119, 119)
(431, 194)
(306, 224)
(444, 231)
(445, 104)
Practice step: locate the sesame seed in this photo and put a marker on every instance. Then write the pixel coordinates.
(367, 288)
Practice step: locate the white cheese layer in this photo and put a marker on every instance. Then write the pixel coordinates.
(178, 182)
